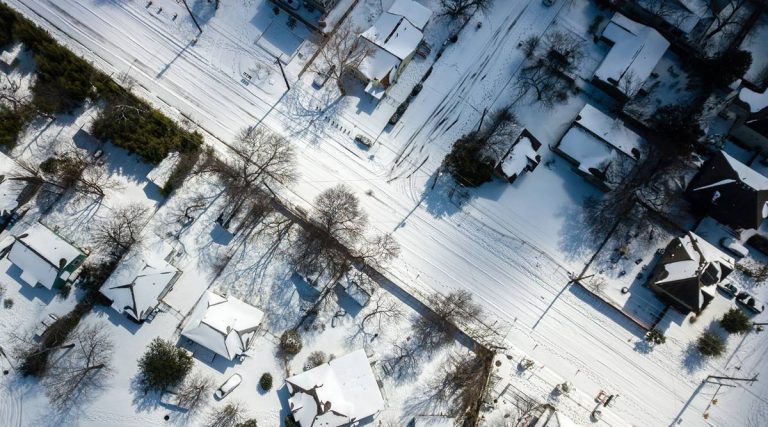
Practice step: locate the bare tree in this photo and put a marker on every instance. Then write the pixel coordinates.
(194, 392)
(263, 159)
(79, 373)
(379, 250)
(380, 309)
(72, 170)
(11, 93)
(448, 314)
(463, 8)
(549, 71)
(667, 10)
(461, 382)
(229, 415)
(727, 17)
(345, 50)
(121, 230)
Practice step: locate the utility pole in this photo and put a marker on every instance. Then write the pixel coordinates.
(280, 64)
(192, 16)
(716, 377)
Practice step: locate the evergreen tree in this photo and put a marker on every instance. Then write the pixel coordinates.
(164, 365)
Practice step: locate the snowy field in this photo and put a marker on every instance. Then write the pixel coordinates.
(513, 246)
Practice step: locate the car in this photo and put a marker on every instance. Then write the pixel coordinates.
(322, 77)
(729, 288)
(734, 247)
(364, 140)
(229, 385)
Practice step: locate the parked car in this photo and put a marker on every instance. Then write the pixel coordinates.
(364, 140)
(228, 386)
(734, 247)
(748, 301)
(321, 78)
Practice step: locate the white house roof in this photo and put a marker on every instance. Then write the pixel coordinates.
(586, 148)
(417, 14)
(689, 266)
(517, 159)
(40, 253)
(636, 51)
(140, 280)
(610, 130)
(395, 34)
(222, 324)
(757, 101)
(747, 175)
(379, 64)
(336, 393)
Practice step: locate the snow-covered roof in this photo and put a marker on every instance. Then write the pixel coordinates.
(222, 324)
(160, 174)
(9, 57)
(610, 130)
(518, 157)
(417, 14)
(379, 65)
(635, 52)
(588, 150)
(696, 253)
(141, 279)
(336, 393)
(746, 174)
(554, 418)
(395, 34)
(757, 101)
(41, 254)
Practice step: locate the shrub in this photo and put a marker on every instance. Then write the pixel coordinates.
(133, 125)
(710, 344)
(467, 162)
(181, 170)
(65, 290)
(7, 23)
(724, 69)
(290, 343)
(266, 381)
(164, 365)
(11, 123)
(655, 336)
(8, 303)
(736, 322)
(315, 359)
(290, 421)
(247, 423)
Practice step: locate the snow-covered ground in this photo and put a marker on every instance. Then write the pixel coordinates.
(512, 246)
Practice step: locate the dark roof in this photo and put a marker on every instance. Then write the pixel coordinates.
(729, 191)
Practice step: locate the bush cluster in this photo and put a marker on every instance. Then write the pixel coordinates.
(290, 343)
(164, 365)
(266, 381)
(710, 344)
(734, 321)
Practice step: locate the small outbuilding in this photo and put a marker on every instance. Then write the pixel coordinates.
(223, 324)
(522, 156)
(141, 280)
(44, 257)
(341, 392)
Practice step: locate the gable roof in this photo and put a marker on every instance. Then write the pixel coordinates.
(41, 254)
(635, 52)
(689, 268)
(222, 324)
(414, 12)
(611, 130)
(140, 280)
(336, 393)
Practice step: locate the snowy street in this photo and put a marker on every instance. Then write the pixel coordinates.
(514, 246)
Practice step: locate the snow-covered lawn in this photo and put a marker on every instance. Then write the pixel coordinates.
(511, 245)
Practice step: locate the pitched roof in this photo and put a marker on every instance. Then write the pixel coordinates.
(636, 51)
(336, 393)
(221, 324)
(140, 280)
(40, 254)
(415, 13)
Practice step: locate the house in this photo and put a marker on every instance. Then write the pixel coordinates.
(141, 280)
(224, 325)
(602, 148)
(751, 118)
(358, 285)
(393, 39)
(44, 257)
(730, 191)
(688, 273)
(522, 156)
(338, 393)
(635, 51)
